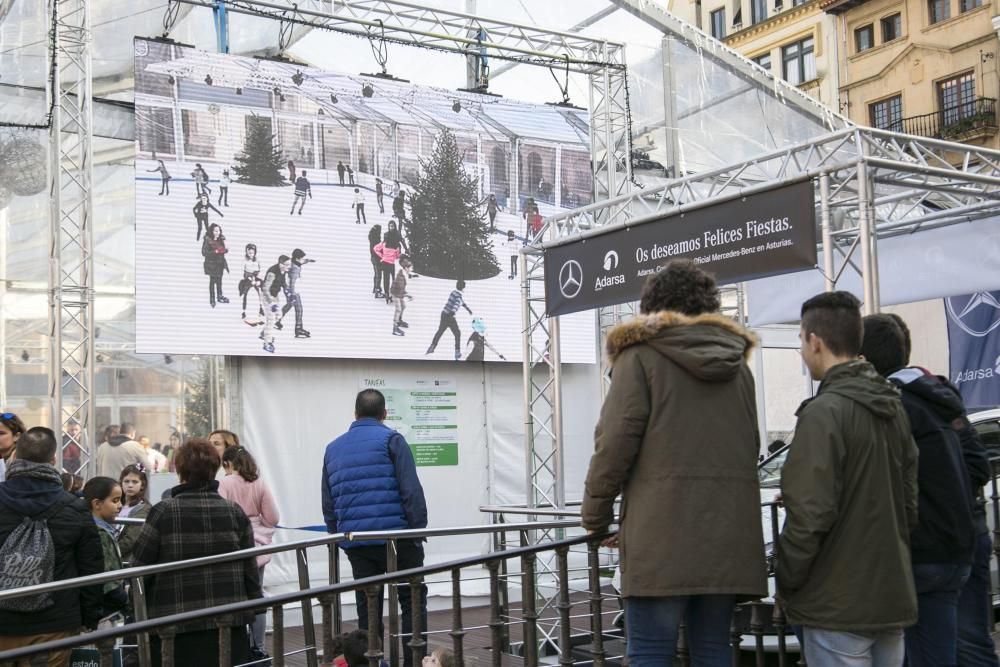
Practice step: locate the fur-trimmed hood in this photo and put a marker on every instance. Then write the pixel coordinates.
(709, 346)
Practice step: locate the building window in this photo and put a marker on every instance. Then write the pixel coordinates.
(764, 60)
(887, 114)
(892, 27)
(758, 11)
(969, 5)
(957, 98)
(798, 62)
(796, 3)
(864, 38)
(718, 20)
(938, 10)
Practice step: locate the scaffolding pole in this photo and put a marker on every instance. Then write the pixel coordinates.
(71, 237)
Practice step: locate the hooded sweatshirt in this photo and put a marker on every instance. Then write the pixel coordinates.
(677, 437)
(32, 489)
(849, 487)
(946, 530)
(117, 453)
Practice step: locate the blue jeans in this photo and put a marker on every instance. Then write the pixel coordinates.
(652, 625)
(975, 611)
(933, 641)
(833, 648)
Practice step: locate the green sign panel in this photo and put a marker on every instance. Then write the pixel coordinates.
(426, 413)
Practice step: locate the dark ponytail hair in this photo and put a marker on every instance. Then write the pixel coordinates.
(242, 462)
(139, 471)
(98, 488)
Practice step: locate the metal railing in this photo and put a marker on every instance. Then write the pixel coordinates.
(953, 123)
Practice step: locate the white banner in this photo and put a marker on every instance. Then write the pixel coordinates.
(931, 264)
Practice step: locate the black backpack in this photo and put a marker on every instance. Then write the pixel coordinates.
(28, 558)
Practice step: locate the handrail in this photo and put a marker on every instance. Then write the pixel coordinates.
(534, 511)
(293, 597)
(335, 538)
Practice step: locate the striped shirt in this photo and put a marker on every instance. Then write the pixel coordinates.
(454, 302)
(302, 186)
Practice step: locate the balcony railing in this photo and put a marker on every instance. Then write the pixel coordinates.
(955, 123)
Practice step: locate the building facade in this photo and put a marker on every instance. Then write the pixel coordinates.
(793, 39)
(925, 68)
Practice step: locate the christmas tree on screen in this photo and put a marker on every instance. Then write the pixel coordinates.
(261, 162)
(448, 237)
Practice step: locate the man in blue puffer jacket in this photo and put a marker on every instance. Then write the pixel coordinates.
(370, 483)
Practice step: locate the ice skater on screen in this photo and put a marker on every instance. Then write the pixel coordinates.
(201, 209)
(293, 299)
(224, 188)
(455, 301)
(359, 206)
(302, 188)
(491, 210)
(513, 247)
(399, 205)
(200, 177)
(214, 250)
(251, 281)
(340, 170)
(274, 283)
(400, 296)
(164, 177)
(379, 195)
(479, 343)
(350, 175)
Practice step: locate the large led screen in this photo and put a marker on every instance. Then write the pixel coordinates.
(284, 210)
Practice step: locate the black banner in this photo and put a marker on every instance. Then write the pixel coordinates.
(759, 235)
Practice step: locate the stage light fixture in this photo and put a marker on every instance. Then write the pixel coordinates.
(457, 106)
(24, 355)
(281, 98)
(333, 98)
(239, 91)
(320, 112)
(208, 79)
(367, 90)
(167, 359)
(171, 80)
(297, 78)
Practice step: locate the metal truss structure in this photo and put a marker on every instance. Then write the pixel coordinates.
(71, 237)
(871, 184)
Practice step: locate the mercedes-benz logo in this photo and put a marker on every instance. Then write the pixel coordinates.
(971, 317)
(570, 278)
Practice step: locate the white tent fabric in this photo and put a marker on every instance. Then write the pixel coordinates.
(292, 408)
(930, 264)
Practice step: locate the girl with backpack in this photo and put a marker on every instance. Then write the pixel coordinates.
(135, 505)
(103, 496)
(243, 486)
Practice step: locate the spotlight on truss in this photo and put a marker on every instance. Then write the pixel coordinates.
(208, 79)
(24, 355)
(456, 106)
(239, 91)
(281, 98)
(171, 80)
(298, 78)
(320, 112)
(167, 359)
(333, 98)
(367, 90)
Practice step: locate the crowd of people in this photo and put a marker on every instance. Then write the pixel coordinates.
(884, 552)
(883, 555)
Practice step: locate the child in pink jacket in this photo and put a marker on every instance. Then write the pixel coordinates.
(243, 486)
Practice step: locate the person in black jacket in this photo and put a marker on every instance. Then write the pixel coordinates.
(942, 543)
(33, 487)
(975, 609)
